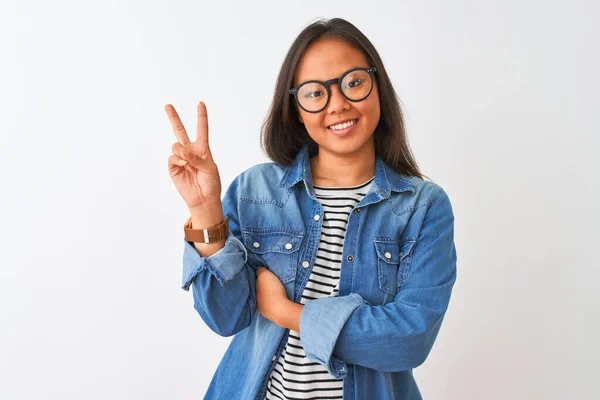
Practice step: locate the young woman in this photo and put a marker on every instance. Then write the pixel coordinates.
(334, 264)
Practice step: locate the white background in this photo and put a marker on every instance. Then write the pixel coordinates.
(499, 98)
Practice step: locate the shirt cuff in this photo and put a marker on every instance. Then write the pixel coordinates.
(321, 322)
(224, 264)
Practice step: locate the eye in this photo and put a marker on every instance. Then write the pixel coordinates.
(355, 83)
(314, 94)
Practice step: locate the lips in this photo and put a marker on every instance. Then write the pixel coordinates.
(343, 130)
(342, 122)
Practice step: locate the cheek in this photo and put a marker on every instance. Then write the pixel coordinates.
(372, 108)
(312, 122)
(376, 111)
(370, 112)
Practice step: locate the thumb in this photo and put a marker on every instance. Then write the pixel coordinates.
(195, 160)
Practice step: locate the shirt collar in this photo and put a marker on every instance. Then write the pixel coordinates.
(386, 179)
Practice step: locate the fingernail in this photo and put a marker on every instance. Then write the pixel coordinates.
(182, 162)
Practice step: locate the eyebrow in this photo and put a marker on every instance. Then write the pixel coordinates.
(349, 69)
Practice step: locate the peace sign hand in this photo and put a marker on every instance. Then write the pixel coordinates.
(191, 166)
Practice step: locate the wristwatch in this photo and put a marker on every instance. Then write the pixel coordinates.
(212, 234)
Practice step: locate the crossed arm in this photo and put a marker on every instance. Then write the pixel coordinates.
(334, 330)
(392, 337)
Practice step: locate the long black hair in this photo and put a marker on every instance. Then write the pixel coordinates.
(282, 133)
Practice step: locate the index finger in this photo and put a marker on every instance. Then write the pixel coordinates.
(177, 125)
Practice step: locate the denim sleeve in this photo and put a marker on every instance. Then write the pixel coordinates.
(399, 335)
(223, 284)
(224, 265)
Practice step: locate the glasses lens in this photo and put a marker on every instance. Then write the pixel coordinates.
(357, 84)
(312, 96)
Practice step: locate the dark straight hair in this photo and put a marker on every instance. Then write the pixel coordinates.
(282, 134)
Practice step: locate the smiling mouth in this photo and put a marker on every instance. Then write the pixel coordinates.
(342, 126)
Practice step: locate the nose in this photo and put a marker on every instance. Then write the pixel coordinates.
(337, 101)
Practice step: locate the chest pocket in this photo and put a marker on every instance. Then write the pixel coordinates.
(279, 249)
(393, 262)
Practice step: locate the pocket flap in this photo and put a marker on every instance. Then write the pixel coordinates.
(265, 241)
(391, 251)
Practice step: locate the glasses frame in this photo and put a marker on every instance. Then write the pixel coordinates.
(326, 84)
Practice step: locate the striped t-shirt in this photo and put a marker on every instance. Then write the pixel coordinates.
(295, 376)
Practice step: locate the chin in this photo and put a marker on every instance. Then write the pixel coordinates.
(347, 146)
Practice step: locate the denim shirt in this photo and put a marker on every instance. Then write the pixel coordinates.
(397, 272)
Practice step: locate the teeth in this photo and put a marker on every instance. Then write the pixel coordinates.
(342, 126)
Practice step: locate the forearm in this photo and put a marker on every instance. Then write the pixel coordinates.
(288, 315)
(226, 309)
(389, 338)
(393, 337)
(223, 286)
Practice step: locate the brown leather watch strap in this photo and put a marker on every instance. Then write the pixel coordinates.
(212, 234)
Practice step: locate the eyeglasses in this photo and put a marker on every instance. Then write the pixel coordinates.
(356, 85)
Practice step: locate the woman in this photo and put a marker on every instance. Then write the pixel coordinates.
(334, 264)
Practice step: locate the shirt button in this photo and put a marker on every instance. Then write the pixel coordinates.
(401, 253)
(387, 255)
(274, 358)
(288, 246)
(350, 258)
(317, 217)
(256, 244)
(358, 210)
(305, 264)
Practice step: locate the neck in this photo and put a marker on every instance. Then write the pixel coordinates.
(338, 170)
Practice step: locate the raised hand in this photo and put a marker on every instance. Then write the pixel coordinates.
(191, 166)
